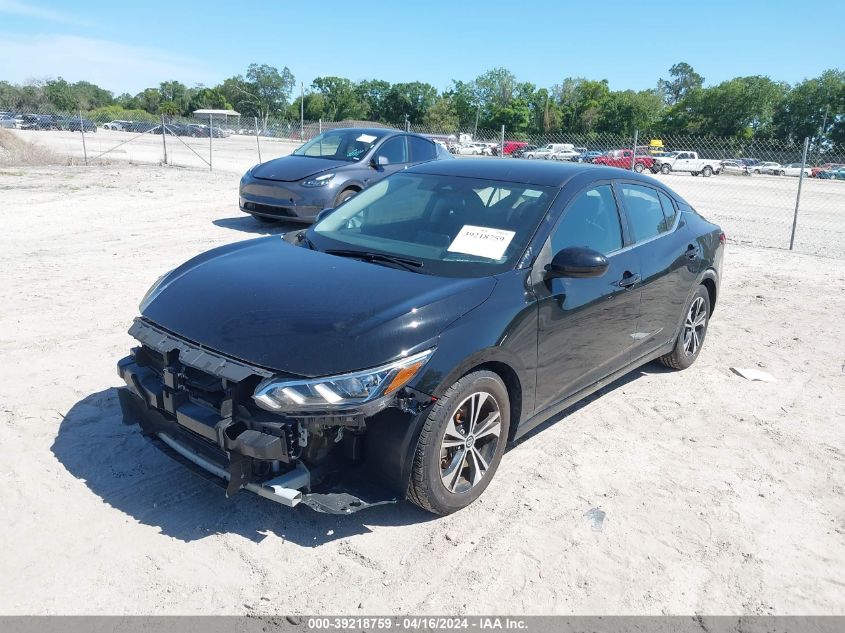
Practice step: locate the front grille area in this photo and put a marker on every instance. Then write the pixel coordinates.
(266, 209)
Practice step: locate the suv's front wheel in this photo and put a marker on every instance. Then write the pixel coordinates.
(461, 444)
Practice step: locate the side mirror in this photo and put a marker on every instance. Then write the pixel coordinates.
(322, 215)
(577, 261)
(379, 161)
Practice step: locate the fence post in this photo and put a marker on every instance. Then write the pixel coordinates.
(210, 136)
(164, 138)
(257, 142)
(82, 130)
(301, 111)
(502, 145)
(320, 126)
(634, 152)
(798, 195)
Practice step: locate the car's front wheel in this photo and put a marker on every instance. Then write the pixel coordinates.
(461, 444)
(665, 168)
(693, 330)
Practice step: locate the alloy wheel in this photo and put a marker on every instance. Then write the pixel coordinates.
(469, 442)
(694, 326)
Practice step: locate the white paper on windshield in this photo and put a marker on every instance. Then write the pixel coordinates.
(481, 241)
(366, 138)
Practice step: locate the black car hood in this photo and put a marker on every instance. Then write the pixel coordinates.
(305, 312)
(291, 168)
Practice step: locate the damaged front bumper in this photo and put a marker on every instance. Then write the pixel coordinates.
(170, 401)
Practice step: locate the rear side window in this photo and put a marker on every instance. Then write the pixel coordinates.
(421, 149)
(669, 211)
(645, 213)
(591, 220)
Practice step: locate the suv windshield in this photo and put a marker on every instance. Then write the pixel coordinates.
(345, 145)
(452, 226)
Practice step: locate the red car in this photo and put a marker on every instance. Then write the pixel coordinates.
(814, 171)
(511, 146)
(622, 158)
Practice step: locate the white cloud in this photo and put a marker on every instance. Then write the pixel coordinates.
(111, 65)
(28, 10)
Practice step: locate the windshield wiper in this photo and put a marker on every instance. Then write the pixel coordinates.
(404, 262)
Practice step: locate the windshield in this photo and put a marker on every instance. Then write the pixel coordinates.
(453, 226)
(345, 145)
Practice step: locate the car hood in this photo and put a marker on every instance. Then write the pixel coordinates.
(291, 168)
(305, 312)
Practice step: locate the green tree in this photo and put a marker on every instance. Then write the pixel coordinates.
(61, 95)
(625, 111)
(412, 99)
(814, 108)
(442, 116)
(371, 93)
(683, 80)
(149, 100)
(340, 101)
(208, 98)
(268, 89)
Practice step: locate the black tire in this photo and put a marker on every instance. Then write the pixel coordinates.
(427, 488)
(694, 173)
(638, 167)
(665, 168)
(683, 355)
(265, 220)
(344, 196)
(707, 171)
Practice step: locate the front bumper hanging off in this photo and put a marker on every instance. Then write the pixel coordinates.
(218, 444)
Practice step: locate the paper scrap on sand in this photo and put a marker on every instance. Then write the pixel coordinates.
(753, 374)
(481, 241)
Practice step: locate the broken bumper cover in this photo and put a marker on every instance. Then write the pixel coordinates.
(220, 449)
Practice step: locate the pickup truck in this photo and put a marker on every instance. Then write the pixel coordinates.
(689, 162)
(622, 158)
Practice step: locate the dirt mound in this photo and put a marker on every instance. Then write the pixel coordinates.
(16, 151)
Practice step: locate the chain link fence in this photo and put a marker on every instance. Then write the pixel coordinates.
(762, 192)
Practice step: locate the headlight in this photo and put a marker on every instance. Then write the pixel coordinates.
(319, 181)
(335, 392)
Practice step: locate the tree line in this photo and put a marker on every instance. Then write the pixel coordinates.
(754, 107)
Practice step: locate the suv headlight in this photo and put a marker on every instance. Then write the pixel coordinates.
(318, 181)
(333, 392)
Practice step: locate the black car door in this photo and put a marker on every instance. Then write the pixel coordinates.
(668, 261)
(585, 325)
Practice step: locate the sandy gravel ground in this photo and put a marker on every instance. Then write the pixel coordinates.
(718, 495)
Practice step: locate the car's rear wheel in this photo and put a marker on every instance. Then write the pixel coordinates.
(665, 169)
(461, 444)
(707, 171)
(693, 330)
(638, 167)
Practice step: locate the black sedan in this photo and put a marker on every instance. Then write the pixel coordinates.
(329, 169)
(394, 348)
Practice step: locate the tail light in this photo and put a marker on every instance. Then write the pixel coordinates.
(722, 238)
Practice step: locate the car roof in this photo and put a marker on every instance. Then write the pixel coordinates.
(541, 173)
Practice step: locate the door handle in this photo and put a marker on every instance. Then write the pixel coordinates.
(628, 280)
(691, 252)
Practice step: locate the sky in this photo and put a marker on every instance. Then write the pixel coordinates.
(126, 47)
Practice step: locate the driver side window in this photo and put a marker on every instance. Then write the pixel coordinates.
(394, 150)
(591, 220)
